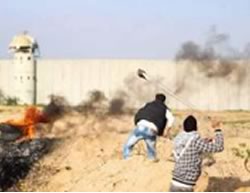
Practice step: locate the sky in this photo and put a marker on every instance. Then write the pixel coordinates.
(133, 29)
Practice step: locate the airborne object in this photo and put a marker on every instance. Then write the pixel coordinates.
(142, 74)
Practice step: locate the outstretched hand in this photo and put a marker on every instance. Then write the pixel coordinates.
(215, 123)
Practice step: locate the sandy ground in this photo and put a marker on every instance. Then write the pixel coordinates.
(88, 156)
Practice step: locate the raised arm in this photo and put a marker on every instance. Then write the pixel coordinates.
(216, 145)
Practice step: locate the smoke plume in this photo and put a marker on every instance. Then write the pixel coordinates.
(98, 104)
(94, 104)
(215, 59)
(133, 93)
(56, 107)
(117, 104)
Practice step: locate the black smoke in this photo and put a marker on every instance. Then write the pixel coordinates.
(56, 108)
(94, 103)
(216, 58)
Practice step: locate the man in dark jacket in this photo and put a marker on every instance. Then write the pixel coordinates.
(150, 122)
(188, 149)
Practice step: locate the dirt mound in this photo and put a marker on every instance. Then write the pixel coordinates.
(89, 158)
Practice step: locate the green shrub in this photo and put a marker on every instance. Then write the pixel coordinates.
(243, 152)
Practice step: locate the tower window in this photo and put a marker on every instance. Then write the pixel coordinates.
(29, 58)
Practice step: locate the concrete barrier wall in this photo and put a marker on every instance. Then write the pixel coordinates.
(74, 79)
(6, 77)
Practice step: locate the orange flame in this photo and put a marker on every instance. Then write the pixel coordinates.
(28, 123)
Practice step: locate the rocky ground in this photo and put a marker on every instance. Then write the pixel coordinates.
(88, 155)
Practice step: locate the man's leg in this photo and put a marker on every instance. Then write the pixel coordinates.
(150, 140)
(132, 140)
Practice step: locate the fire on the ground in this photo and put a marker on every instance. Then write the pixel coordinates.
(27, 124)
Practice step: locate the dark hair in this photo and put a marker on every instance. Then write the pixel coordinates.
(190, 124)
(161, 97)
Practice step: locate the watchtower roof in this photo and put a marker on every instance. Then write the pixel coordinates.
(23, 41)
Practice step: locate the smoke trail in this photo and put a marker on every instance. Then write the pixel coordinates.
(94, 103)
(56, 107)
(215, 59)
(117, 105)
(133, 93)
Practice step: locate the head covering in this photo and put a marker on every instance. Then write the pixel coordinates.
(190, 124)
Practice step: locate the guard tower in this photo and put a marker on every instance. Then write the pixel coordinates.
(25, 50)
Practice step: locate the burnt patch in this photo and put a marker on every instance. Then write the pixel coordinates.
(16, 159)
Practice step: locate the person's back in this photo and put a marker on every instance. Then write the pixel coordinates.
(150, 122)
(154, 112)
(188, 149)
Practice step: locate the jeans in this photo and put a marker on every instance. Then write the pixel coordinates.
(141, 133)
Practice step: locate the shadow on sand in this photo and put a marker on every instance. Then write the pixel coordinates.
(227, 184)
